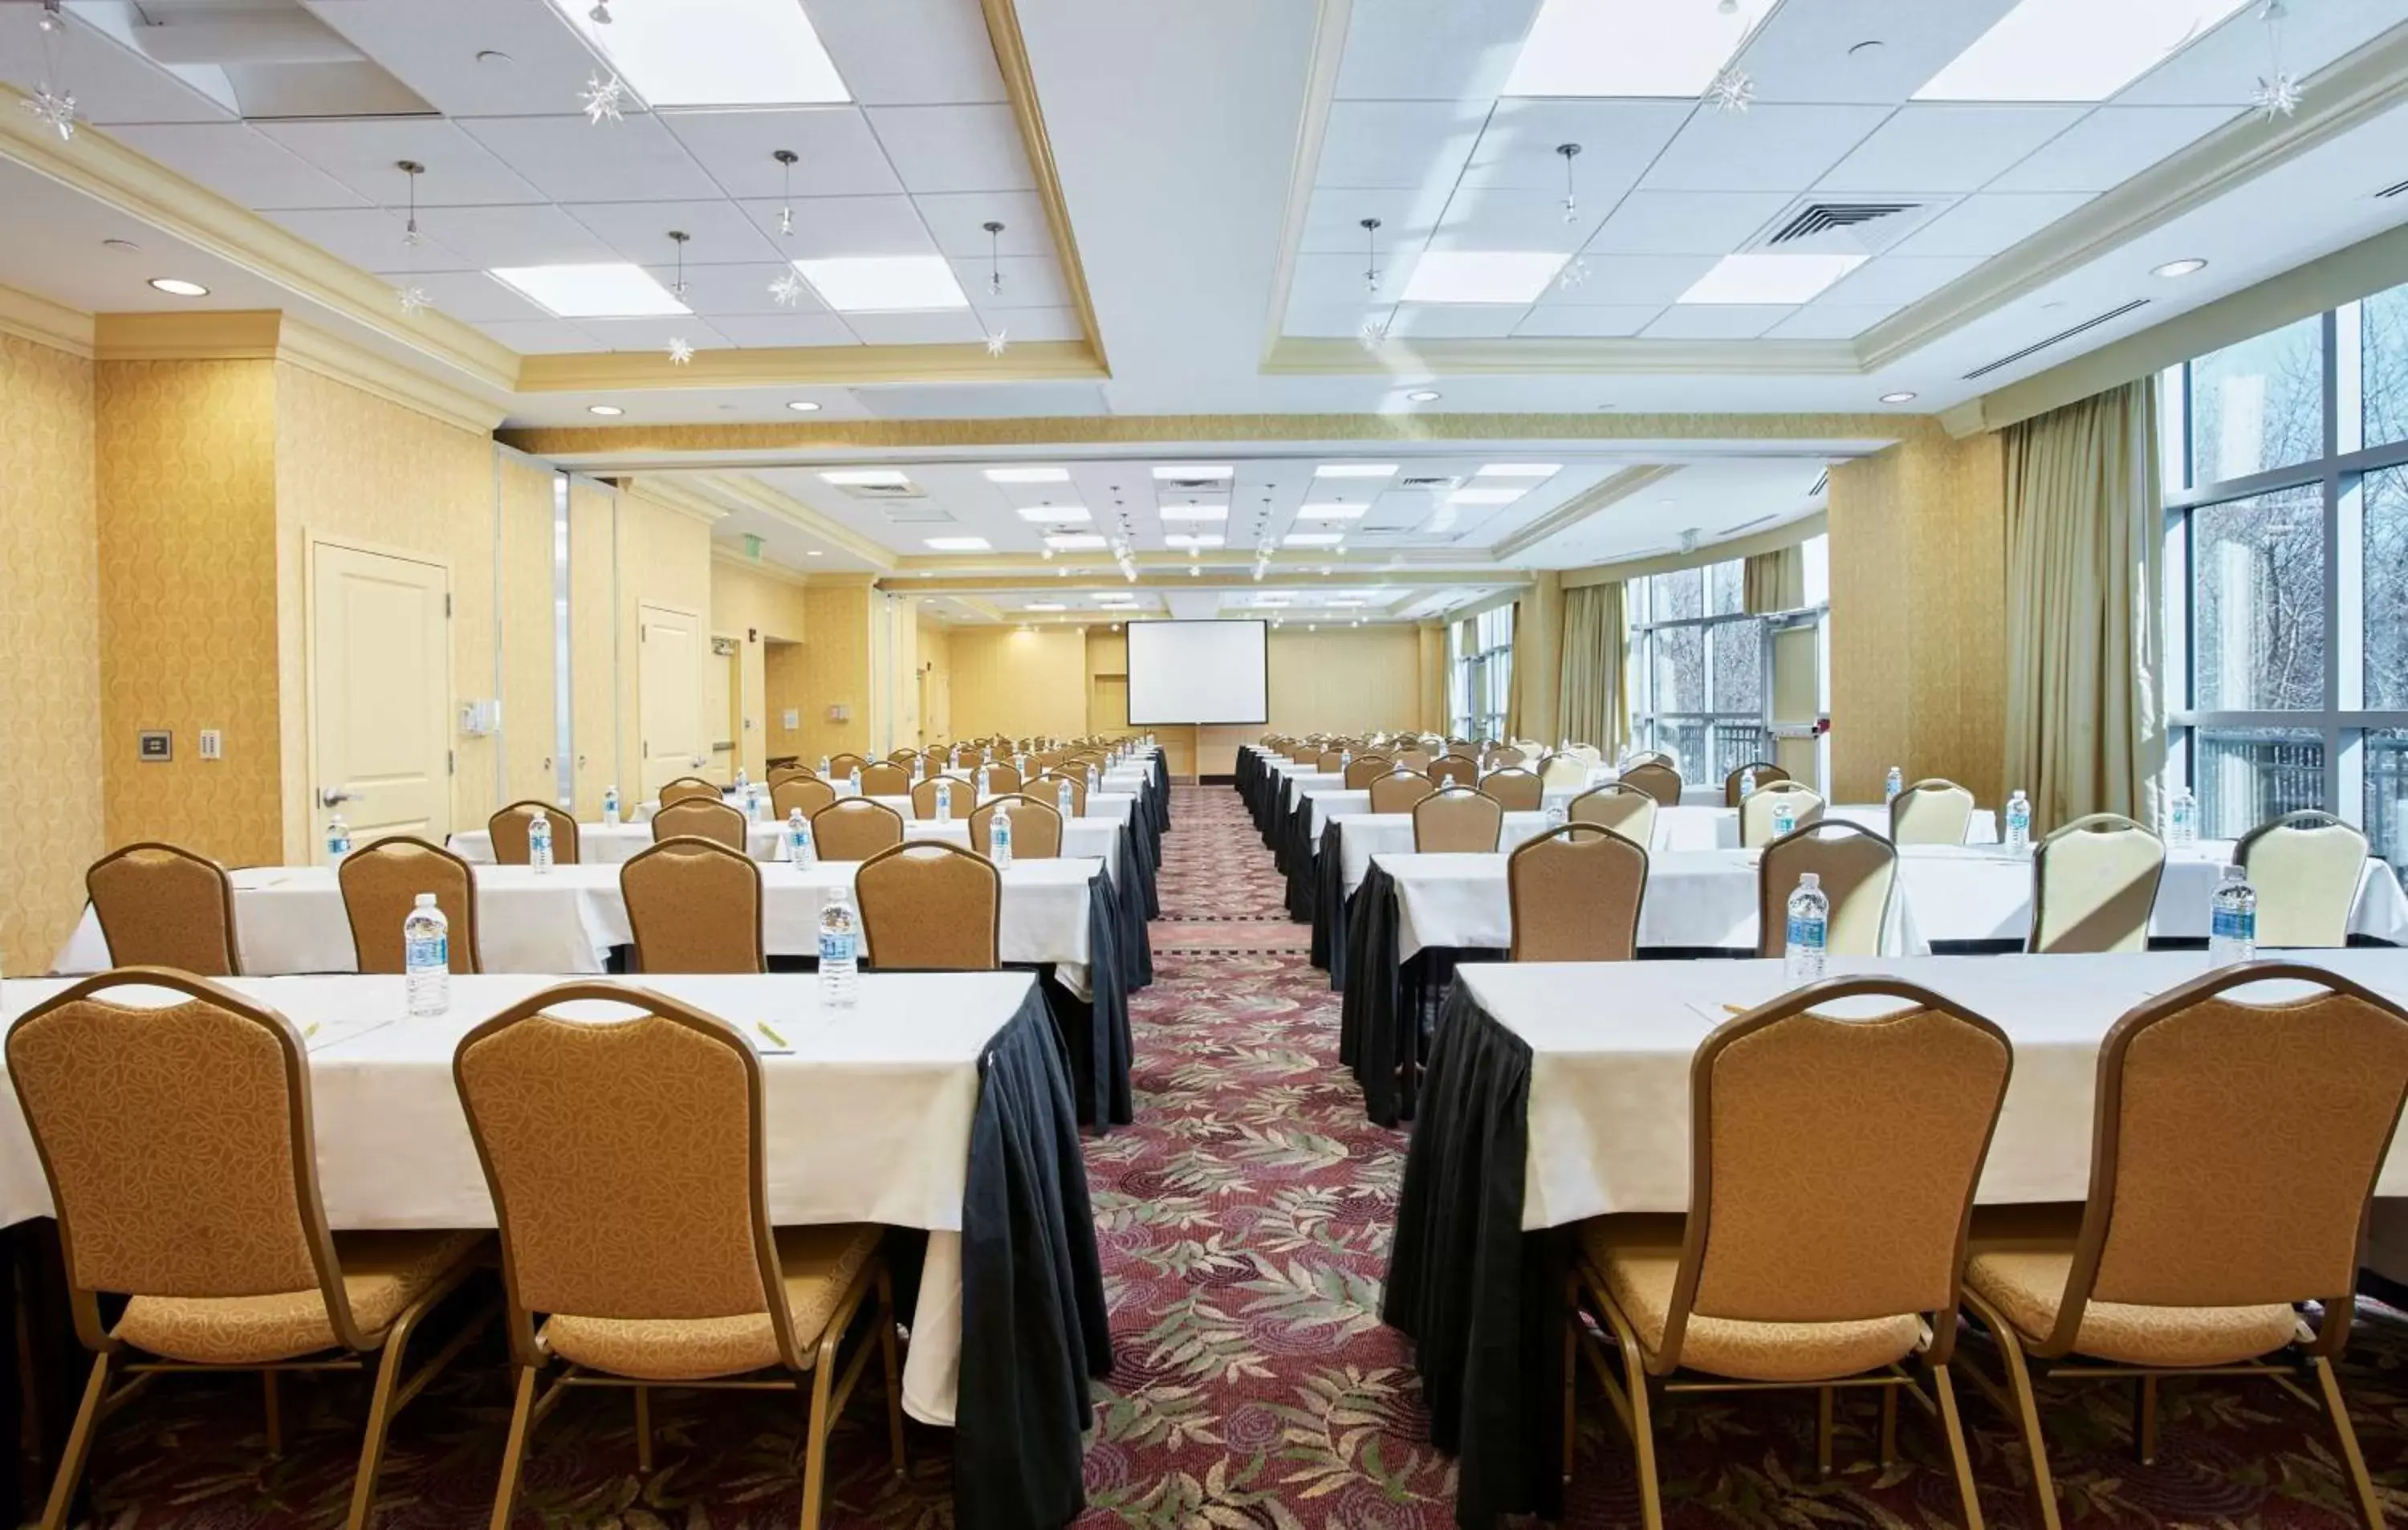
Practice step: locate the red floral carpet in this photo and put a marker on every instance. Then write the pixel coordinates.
(1244, 1221)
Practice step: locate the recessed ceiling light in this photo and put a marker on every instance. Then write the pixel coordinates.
(606, 410)
(1313, 538)
(811, 553)
(1074, 541)
(1045, 606)
(1169, 472)
(1770, 278)
(1332, 512)
(1900, 397)
(1630, 46)
(2180, 267)
(803, 406)
(957, 544)
(1354, 470)
(712, 53)
(884, 283)
(1520, 470)
(1485, 496)
(1194, 512)
(1481, 275)
(179, 287)
(600, 290)
(2073, 49)
(1424, 395)
(1029, 474)
(1048, 514)
(867, 477)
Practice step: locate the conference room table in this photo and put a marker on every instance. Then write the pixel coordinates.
(938, 1103)
(1553, 1097)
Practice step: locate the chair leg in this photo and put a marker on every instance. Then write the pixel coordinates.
(506, 1492)
(2019, 1386)
(2145, 1421)
(1958, 1455)
(268, 1392)
(364, 1485)
(1823, 1407)
(2351, 1455)
(79, 1446)
(894, 1367)
(1890, 1427)
(644, 1429)
(1642, 1429)
(815, 1440)
(1571, 1372)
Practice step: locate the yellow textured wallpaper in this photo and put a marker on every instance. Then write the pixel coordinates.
(1009, 682)
(835, 669)
(49, 650)
(753, 608)
(936, 684)
(593, 657)
(1347, 681)
(529, 728)
(664, 560)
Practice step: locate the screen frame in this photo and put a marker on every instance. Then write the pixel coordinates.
(1130, 631)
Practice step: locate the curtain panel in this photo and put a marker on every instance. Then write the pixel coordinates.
(1776, 581)
(1592, 706)
(1522, 650)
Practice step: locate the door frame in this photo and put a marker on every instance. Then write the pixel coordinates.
(310, 542)
(701, 628)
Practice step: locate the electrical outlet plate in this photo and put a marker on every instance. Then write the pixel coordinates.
(212, 744)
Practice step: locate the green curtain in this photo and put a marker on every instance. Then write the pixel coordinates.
(1591, 702)
(1776, 581)
(2086, 641)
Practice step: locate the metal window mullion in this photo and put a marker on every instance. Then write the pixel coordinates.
(2345, 773)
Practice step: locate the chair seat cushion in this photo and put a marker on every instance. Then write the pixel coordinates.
(1638, 1258)
(382, 1274)
(2027, 1285)
(819, 1265)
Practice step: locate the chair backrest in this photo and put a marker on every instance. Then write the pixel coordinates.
(930, 906)
(1645, 756)
(808, 793)
(1518, 789)
(1454, 770)
(686, 787)
(1757, 813)
(1766, 774)
(1562, 772)
(700, 819)
(1626, 809)
(856, 829)
(380, 884)
(1418, 760)
(1590, 753)
(1457, 819)
(885, 779)
(506, 831)
(694, 907)
(1575, 893)
(1397, 792)
(625, 1162)
(778, 774)
(1364, 770)
(1036, 828)
(1832, 1161)
(1330, 760)
(2094, 886)
(1504, 757)
(1002, 778)
(1657, 780)
(2306, 867)
(904, 757)
(923, 795)
(1857, 868)
(1930, 812)
(1048, 786)
(2235, 1147)
(842, 766)
(163, 906)
(177, 1142)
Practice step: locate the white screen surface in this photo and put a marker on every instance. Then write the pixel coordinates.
(1197, 672)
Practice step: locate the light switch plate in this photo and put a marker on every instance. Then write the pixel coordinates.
(792, 719)
(212, 744)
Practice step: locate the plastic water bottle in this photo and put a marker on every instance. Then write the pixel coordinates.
(823, 767)
(983, 790)
(338, 840)
(1345, 758)
(540, 841)
(1784, 816)
(756, 807)
(799, 848)
(853, 779)
(2182, 819)
(2018, 823)
(998, 837)
(1555, 811)
(840, 948)
(944, 800)
(742, 783)
(1094, 782)
(611, 806)
(427, 957)
(1809, 923)
(1747, 783)
(1064, 799)
(1893, 783)
(2232, 919)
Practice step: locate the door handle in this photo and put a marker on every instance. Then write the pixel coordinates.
(329, 795)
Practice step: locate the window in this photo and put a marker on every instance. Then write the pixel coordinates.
(1698, 663)
(1481, 677)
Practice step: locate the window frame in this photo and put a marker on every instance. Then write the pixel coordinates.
(1479, 675)
(1656, 728)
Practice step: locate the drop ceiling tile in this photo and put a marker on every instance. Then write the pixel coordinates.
(1821, 321)
(721, 234)
(1333, 219)
(113, 83)
(369, 238)
(1322, 280)
(1810, 54)
(1028, 282)
(2222, 66)
(539, 336)
(956, 221)
(1896, 278)
(432, 45)
(953, 149)
(1686, 222)
(239, 164)
(1770, 149)
(537, 236)
(835, 153)
(1432, 49)
(653, 334)
(1030, 324)
(1515, 220)
(764, 331)
(917, 53)
(1333, 320)
(1946, 146)
(826, 226)
(953, 326)
(1598, 323)
(1618, 140)
(572, 160)
(1717, 321)
(1396, 144)
(1456, 321)
(1985, 224)
(477, 298)
(2110, 146)
(363, 154)
(713, 290)
(1624, 281)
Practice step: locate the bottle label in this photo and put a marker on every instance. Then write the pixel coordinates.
(835, 946)
(429, 950)
(1806, 931)
(2233, 924)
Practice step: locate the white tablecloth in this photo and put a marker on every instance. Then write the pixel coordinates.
(1687, 827)
(869, 1120)
(1337, 802)
(605, 844)
(1362, 836)
(1609, 1123)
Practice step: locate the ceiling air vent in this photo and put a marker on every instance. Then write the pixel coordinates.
(2397, 189)
(1821, 483)
(1433, 485)
(905, 489)
(1196, 486)
(1824, 217)
(2059, 337)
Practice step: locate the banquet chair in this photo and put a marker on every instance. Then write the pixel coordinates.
(1832, 1165)
(1045, 759)
(507, 832)
(628, 1164)
(167, 1136)
(2306, 867)
(856, 829)
(1858, 869)
(2234, 1151)
(1366, 768)
(1766, 774)
(1930, 812)
(1562, 772)
(1575, 893)
(903, 757)
(380, 884)
(1002, 778)
(1756, 814)
(1657, 780)
(931, 906)
(1046, 786)
(1036, 828)
(163, 906)
(1626, 809)
(1457, 821)
(1647, 756)
(714, 820)
(686, 787)
(808, 793)
(779, 774)
(1589, 752)
(842, 766)
(1518, 790)
(1330, 761)
(1454, 770)
(2094, 885)
(694, 907)
(885, 778)
(1503, 757)
(924, 797)
(1397, 791)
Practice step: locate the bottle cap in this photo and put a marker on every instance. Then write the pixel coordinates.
(2235, 873)
(1808, 878)
(426, 900)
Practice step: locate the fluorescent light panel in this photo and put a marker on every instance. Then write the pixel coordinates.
(2074, 49)
(958, 544)
(1048, 514)
(1167, 472)
(884, 283)
(1046, 606)
(867, 477)
(1770, 278)
(1630, 46)
(603, 289)
(1354, 470)
(1481, 275)
(713, 52)
(1074, 541)
(1029, 474)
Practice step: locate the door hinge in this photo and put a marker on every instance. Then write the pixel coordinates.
(450, 762)
(447, 605)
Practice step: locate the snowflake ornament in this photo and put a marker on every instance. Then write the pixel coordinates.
(412, 299)
(682, 351)
(787, 288)
(1373, 333)
(605, 100)
(1733, 89)
(1574, 273)
(2276, 96)
(55, 110)
(998, 342)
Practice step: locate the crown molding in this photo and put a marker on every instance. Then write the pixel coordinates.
(1551, 357)
(45, 323)
(807, 367)
(724, 556)
(1620, 487)
(1170, 575)
(754, 495)
(217, 336)
(329, 356)
(1020, 89)
(674, 497)
(266, 335)
(1771, 539)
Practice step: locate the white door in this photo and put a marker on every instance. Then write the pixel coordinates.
(667, 681)
(719, 711)
(381, 693)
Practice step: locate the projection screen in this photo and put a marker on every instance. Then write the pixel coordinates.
(1198, 672)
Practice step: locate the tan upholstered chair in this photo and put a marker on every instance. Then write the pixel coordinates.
(1626, 809)
(1516, 789)
(506, 831)
(1002, 778)
(163, 906)
(628, 1174)
(1930, 812)
(1457, 821)
(1330, 760)
(1858, 869)
(688, 787)
(1365, 768)
(694, 907)
(1832, 1165)
(1504, 757)
(1563, 772)
(904, 757)
(1397, 792)
(856, 829)
(1036, 828)
(2094, 885)
(1647, 756)
(714, 820)
(778, 775)
(808, 793)
(1657, 780)
(380, 884)
(2306, 867)
(924, 797)
(1590, 753)
(933, 906)
(1766, 774)
(1454, 770)
(1575, 893)
(2234, 1148)
(1047, 787)
(177, 1145)
(885, 778)
(1415, 760)
(1757, 813)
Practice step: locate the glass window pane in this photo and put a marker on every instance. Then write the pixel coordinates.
(1737, 744)
(2383, 360)
(2259, 405)
(1817, 552)
(1681, 669)
(1680, 594)
(1739, 666)
(2258, 602)
(2244, 776)
(2387, 796)
(1728, 586)
(2386, 587)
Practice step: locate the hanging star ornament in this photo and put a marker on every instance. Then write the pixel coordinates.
(605, 100)
(56, 109)
(998, 342)
(1373, 333)
(412, 299)
(2276, 96)
(787, 288)
(1574, 273)
(1732, 90)
(682, 351)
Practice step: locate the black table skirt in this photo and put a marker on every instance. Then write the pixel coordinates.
(1328, 914)
(1095, 1030)
(1386, 1001)
(1295, 859)
(1482, 1299)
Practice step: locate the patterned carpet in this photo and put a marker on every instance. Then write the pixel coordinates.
(1244, 1222)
